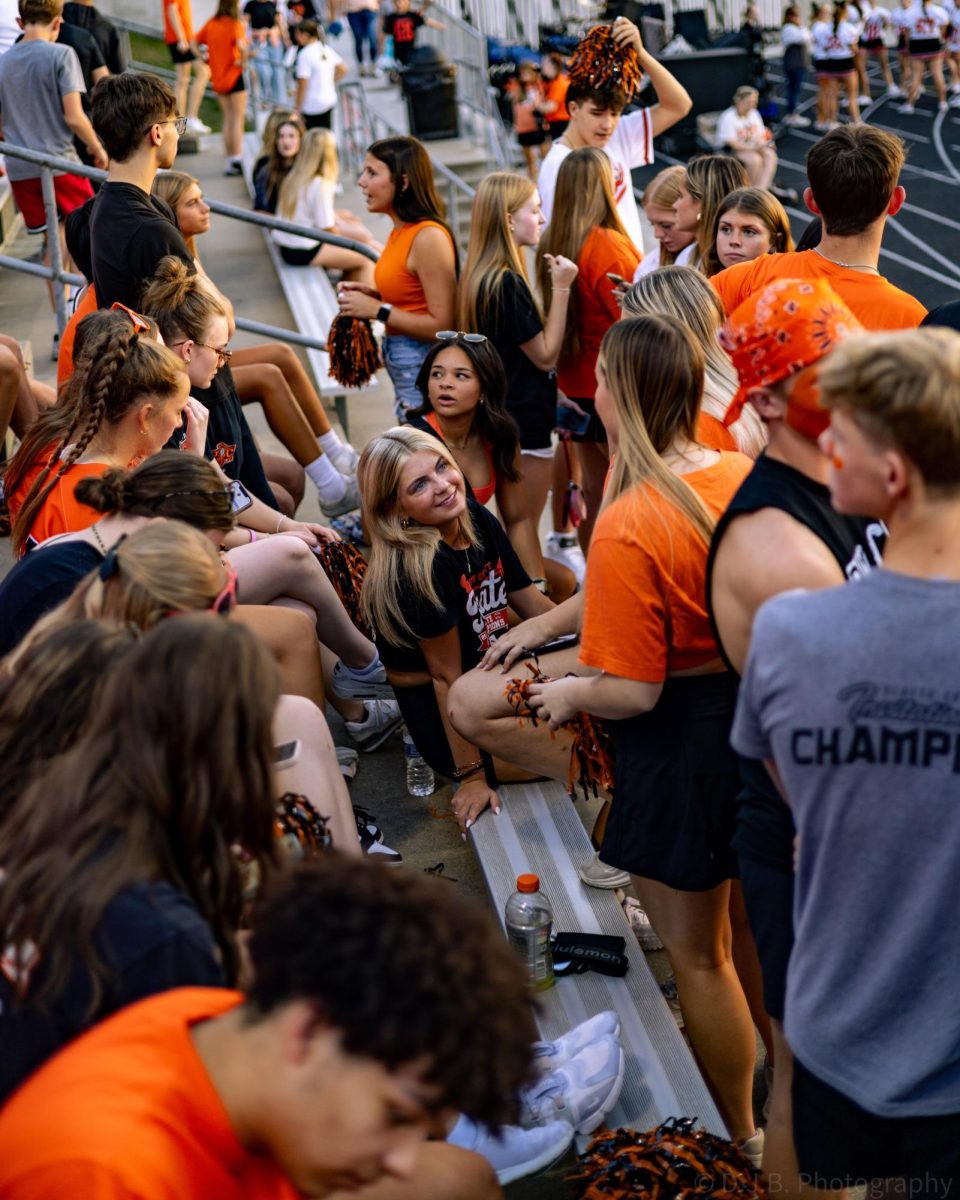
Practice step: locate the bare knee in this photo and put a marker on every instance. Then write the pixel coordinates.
(463, 708)
(12, 346)
(10, 365)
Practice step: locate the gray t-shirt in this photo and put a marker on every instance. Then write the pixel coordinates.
(34, 77)
(855, 694)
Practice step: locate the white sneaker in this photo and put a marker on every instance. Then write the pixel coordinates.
(349, 684)
(348, 760)
(955, 89)
(195, 125)
(348, 502)
(381, 718)
(514, 1152)
(905, 108)
(345, 459)
(798, 120)
(943, 106)
(752, 1149)
(549, 1056)
(582, 1092)
(893, 90)
(643, 931)
(595, 873)
(565, 549)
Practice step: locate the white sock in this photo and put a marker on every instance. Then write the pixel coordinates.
(329, 442)
(330, 483)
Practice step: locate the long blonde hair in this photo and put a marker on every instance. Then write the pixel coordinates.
(492, 252)
(318, 156)
(401, 550)
(661, 192)
(654, 370)
(172, 186)
(583, 201)
(684, 293)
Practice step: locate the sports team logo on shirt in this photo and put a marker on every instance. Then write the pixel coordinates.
(224, 453)
(486, 602)
(404, 29)
(619, 181)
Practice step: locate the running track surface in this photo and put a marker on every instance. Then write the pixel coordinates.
(921, 246)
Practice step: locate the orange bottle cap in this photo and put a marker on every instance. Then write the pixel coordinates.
(528, 883)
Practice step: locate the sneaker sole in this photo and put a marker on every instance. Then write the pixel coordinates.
(356, 689)
(377, 739)
(597, 1119)
(533, 1166)
(608, 885)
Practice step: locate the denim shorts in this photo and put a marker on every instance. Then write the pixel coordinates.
(403, 357)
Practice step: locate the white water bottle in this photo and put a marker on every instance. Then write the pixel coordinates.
(529, 919)
(420, 781)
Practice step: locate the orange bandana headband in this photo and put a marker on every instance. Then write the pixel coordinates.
(776, 334)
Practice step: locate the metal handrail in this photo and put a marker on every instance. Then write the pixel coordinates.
(48, 163)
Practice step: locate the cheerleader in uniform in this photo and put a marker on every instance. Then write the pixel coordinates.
(925, 25)
(875, 21)
(834, 48)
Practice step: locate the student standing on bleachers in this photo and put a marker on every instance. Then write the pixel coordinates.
(707, 182)
(318, 70)
(853, 173)
(225, 38)
(415, 293)
(674, 245)
(595, 120)
(178, 34)
(83, 13)
(587, 229)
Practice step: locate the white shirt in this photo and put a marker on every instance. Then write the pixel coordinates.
(317, 63)
(314, 208)
(630, 146)
(736, 130)
(827, 44)
(874, 22)
(922, 23)
(9, 29)
(651, 261)
(794, 35)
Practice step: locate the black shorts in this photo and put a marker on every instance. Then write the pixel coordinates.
(595, 431)
(536, 424)
(872, 45)
(676, 786)
(557, 128)
(834, 68)
(925, 47)
(322, 120)
(299, 256)
(839, 1144)
(239, 86)
(536, 137)
(181, 56)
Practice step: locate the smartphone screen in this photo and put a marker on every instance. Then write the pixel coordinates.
(570, 420)
(240, 498)
(286, 753)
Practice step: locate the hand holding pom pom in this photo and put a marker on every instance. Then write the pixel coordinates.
(608, 58)
(354, 356)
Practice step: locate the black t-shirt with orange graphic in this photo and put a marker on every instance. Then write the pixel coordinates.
(472, 586)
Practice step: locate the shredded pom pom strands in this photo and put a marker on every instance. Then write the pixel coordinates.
(598, 62)
(675, 1161)
(591, 764)
(354, 356)
(346, 568)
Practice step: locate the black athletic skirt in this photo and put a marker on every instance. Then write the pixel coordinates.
(872, 45)
(834, 68)
(300, 256)
(925, 47)
(677, 781)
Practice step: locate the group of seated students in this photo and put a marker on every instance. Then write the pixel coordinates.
(748, 420)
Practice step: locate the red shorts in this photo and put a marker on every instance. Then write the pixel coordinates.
(71, 191)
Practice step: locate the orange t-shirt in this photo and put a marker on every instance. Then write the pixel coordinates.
(85, 305)
(394, 280)
(223, 38)
(61, 511)
(645, 610)
(186, 20)
(713, 433)
(605, 250)
(128, 1110)
(875, 302)
(556, 91)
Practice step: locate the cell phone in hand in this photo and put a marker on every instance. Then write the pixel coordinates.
(570, 421)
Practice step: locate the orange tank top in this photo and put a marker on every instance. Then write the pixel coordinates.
(480, 494)
(394, 280)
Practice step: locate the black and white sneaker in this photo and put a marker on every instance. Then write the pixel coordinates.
(380, 719)
(371, 838)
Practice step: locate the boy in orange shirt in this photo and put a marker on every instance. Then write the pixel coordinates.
(224, 36)
(853, 174)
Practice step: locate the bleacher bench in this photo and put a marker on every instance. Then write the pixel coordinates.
(539, 830)
(311, 298)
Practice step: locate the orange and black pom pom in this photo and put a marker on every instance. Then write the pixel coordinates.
(346, 568)
(354, 356)
(598, 62)
(675, 1161)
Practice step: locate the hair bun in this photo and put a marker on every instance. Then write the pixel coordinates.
(106, 492)
(599, 62)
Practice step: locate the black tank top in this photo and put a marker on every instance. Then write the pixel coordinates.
(764, 824)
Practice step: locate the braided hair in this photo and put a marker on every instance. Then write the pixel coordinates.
(117, 370)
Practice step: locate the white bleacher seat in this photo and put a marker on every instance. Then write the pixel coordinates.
(539, 830)
(311, 297)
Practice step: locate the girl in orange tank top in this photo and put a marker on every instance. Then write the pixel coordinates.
(416, 278)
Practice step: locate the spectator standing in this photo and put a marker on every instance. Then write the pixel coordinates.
(50, 76)
(362, 17)
(556, 83)
(266, 50)
(402, 25)
(92, 67)
(675, 246)
(225, 38)
(9, 29)
(529, 122)
(178, 34)
(796, 59)
(318, 70)
(83, 14)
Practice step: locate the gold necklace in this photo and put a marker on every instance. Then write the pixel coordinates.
(850, 266)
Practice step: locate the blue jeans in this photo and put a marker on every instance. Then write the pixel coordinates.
(267, 60)
(403, 357)
(795, 79)
(363, 26)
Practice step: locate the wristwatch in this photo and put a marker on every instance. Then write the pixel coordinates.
(383, 313)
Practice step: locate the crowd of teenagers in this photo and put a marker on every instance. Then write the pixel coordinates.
(738, 633)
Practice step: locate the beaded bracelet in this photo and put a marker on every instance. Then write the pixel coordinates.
(461, 773)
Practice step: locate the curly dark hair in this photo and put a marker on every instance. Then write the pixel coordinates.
(405, 969)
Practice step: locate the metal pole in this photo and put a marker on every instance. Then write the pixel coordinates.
(53, 244)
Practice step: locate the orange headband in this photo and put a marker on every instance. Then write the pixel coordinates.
(776, 334)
